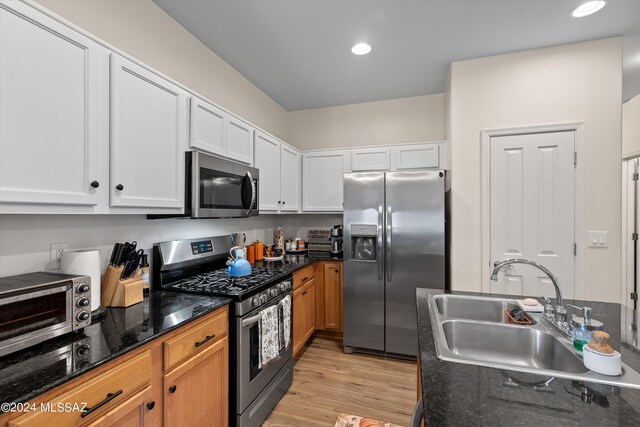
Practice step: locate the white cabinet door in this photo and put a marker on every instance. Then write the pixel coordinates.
(416, 156)
(267, 160)
(148, 138)
(289, 179)
(239, 140)
(53, 111)
(370, 159)
(207, 128)
(322, 180)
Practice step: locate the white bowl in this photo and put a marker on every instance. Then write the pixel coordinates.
(603, 364)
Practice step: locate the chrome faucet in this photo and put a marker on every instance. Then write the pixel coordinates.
(559, 312)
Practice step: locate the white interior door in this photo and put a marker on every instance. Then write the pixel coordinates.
(532, 210)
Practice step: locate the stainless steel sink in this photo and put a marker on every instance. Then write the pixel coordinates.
(472, 330)
(473, 308)
(506, 345)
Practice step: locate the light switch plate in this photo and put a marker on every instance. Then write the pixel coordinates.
(598, 239)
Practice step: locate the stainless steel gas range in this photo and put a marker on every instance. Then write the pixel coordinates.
(199, 265)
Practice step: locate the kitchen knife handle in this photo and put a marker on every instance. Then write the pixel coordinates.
(379, 251)
(389, 251)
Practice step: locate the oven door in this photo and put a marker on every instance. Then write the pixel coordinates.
(222, 188)
(32, 317)
(251, 379)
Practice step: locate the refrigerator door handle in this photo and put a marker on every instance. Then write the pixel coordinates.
(379, 249)
(389, 251)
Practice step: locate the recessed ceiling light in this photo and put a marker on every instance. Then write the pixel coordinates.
(361, 49)
(586, 9)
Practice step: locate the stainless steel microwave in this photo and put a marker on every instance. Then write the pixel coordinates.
(218, 188)
(35, 307)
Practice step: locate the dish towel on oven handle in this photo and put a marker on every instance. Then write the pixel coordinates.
(268, 335)
(284, 328)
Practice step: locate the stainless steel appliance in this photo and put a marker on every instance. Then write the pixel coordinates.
(394, 242)
(218, 188)
(35, 307)
(198, 265)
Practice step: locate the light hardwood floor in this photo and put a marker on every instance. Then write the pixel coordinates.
(327, 382)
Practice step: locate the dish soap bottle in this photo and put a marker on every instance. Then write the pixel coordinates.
(583, 327)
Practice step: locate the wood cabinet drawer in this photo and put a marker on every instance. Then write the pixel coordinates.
(302, 276)
(196, 338)
(103, 392)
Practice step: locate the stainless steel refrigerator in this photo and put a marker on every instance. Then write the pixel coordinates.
(394, 242)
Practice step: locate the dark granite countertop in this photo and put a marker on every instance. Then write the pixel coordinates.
(291, 263)
(456, 394)
(31, 372)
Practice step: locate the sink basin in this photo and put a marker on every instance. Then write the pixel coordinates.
(472, 330)
(470, 308)
(507, 345)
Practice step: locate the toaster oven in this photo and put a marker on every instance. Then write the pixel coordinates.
(35, 307)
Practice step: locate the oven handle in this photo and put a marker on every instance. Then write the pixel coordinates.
(28, 295)
(253, 192)
(253, 319)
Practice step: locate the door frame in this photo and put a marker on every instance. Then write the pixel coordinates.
(627, 228)
(578, 128)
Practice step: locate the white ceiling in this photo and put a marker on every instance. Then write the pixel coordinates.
(299, 51)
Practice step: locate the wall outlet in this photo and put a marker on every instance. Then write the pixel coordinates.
(56, 253)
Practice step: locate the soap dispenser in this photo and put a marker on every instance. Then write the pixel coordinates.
(583, 327)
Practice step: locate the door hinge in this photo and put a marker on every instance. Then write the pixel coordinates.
(575, 249)
(634, 236)
(634, 296)
(575, 158)
(634, 177)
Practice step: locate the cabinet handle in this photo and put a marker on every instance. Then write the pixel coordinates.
(304, 279)
(337, 271)
(284, 203)
(172, 389)
(304, 293)
(279, 202)
(207, 338)
(151, 405)
(119, 187)
(109, 398)
(95, 184)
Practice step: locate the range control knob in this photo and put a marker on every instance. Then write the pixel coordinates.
(81, 289)
(281, 287)
(255, 301)
(83, 350)
(83, 302)
(82, 316)
(287, 285)
(273, 292)
(263, 298)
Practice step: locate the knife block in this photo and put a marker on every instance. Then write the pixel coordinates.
(120, 293)
(128, 292)
(109, 283)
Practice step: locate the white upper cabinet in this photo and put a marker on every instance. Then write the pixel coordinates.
(53, 114)
(416, 156)
(322, 180)
(217, 132)
(239, 140)
(267, 160)
(370, 159)
(148, 138)
(279, 166)
(289, 179)
(207, 128)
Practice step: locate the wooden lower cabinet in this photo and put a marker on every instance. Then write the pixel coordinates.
(332, 295)
(134, 412)
(136, 389)
(303, 314)
(196, 391)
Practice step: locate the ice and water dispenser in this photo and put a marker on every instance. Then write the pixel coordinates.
(363, 242)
